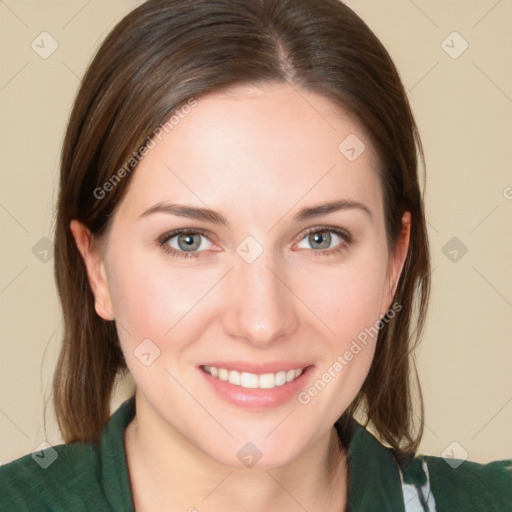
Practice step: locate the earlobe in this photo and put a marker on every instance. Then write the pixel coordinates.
(95, 269)
(398, 257)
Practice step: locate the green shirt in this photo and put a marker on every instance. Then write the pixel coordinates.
(94, 477)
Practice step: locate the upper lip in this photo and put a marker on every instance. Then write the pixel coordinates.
(258, 369)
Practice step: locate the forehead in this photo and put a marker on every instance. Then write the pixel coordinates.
(251, 150)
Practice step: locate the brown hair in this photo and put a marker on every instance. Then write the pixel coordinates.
(158, 57)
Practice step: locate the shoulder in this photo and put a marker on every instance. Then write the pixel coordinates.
(380, 480)
(470, 486)
(36, 481)
(78, 476)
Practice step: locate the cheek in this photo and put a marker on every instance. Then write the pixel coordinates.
(347, 300)
(156, 303)
(149, 300)
(349, 305)
(348, 297)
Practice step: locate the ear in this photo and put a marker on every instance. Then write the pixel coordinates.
(397, 260)
(93, 260)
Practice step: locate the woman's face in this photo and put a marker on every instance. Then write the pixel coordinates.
(255, 294)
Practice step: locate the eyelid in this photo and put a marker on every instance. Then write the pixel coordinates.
(317, 229)
(179, 231)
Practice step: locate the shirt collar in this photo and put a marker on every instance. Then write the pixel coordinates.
(114, 467)
(374, 481)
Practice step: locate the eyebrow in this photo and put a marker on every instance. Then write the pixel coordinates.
(207, 215)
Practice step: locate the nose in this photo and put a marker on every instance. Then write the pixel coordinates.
(261, 306)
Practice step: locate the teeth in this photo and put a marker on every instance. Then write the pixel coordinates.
(248, 380)
(234, 378)
(251, 380)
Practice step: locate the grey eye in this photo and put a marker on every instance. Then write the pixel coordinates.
(321, 239)
(187, 242)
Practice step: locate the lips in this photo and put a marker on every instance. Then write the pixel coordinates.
(256, 387)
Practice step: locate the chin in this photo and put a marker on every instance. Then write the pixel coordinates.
(256, 451)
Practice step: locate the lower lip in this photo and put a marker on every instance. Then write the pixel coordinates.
(256, 398)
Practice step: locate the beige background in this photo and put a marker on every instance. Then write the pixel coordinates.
(463, 107)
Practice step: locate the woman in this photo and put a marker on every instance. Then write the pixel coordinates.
(211, 146)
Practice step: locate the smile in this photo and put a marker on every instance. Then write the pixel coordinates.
(251, 380)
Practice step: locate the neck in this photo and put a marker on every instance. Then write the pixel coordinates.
(167, 473)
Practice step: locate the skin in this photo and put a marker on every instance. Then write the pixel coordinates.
(256, 155)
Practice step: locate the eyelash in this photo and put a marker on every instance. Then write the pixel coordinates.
(347, 241)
